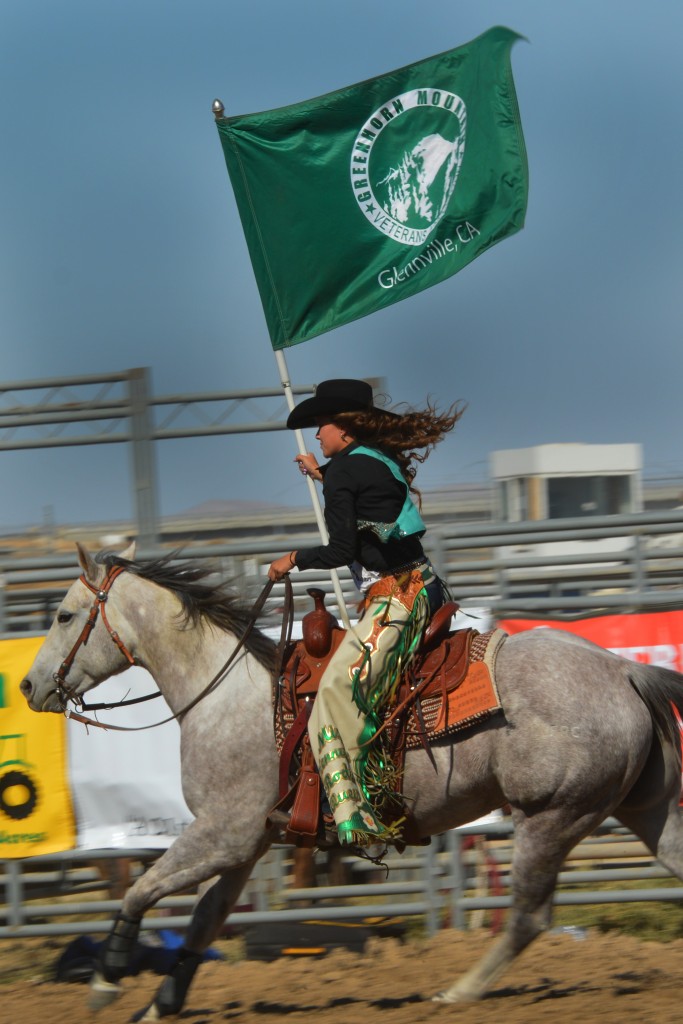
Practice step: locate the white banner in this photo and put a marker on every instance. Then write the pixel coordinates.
(126, 785)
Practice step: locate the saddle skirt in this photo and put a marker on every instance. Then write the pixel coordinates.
(449, 686)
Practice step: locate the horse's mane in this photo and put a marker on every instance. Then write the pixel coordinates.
(212, 602)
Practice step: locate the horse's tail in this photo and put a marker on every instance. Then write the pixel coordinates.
(661, 690)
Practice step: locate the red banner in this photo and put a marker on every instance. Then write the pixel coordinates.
(655, 638)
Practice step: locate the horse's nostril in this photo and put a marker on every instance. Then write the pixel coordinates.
(26, 687)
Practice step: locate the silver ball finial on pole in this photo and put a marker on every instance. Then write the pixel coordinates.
(218, 109)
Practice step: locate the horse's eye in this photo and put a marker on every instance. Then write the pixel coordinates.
(64, 617)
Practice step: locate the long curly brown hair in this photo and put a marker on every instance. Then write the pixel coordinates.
(399, 434)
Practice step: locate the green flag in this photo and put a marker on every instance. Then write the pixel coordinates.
(365, 196)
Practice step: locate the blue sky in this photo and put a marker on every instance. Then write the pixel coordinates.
(120, 244)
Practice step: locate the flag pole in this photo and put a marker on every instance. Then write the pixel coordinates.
(218, 110)
(317, 507)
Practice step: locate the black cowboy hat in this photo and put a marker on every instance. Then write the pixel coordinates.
(331, 397)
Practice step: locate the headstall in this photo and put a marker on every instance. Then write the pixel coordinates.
(101, 593)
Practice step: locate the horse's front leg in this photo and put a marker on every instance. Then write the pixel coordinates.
(207, 920)
(199, 854)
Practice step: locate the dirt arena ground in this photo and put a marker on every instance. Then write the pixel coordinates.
(599, 978)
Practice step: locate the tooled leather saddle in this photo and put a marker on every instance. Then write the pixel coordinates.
(449, 686)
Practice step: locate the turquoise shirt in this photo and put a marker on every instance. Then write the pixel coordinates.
(409, 522)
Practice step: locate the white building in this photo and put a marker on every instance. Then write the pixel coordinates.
(567, 481)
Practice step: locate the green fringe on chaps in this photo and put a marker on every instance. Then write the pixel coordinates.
(373, 694)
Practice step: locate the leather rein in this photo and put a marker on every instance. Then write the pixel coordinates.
(65, 694)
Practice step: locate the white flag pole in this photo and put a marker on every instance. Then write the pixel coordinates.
(317, 507)
(218, 111)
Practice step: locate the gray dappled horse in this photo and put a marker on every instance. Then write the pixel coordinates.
(584, 734)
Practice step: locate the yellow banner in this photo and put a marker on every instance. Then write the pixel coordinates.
(36, 813)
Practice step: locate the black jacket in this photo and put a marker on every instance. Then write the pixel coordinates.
(360, 487)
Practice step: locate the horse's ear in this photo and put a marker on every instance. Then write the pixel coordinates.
(129, 552)
(88, 564)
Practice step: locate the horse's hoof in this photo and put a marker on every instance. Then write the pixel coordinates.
(453, 996)
(443, 997)
(102, 993)
(150, 1012)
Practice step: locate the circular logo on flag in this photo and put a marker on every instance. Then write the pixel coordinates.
(406, 160)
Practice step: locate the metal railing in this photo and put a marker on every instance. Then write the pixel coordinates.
(440, 884)
(117, 408)
(558, 567)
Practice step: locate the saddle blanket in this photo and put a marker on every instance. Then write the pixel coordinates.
(473, 699)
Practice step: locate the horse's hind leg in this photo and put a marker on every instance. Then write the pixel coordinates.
(209, 914)
(541, 844)
(657, 821)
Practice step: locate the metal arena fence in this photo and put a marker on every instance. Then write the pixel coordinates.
(563, 568)
(462, 875)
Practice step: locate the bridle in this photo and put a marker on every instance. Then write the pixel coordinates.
(64, 694)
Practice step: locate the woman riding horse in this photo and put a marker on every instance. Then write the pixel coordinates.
(375, 528)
